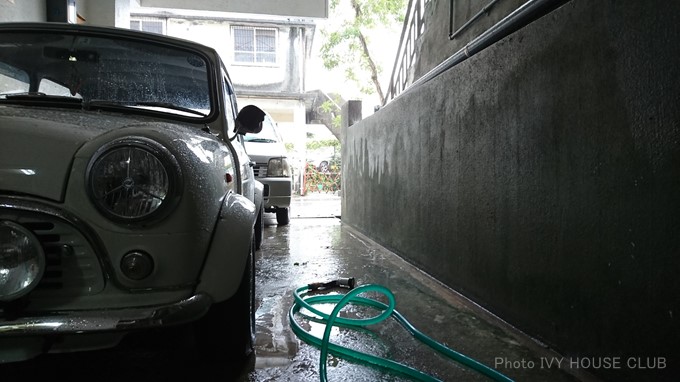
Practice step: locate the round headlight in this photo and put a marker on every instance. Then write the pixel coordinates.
(22, 261)
(133, 179)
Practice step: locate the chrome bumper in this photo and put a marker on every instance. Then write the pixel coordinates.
(97, 321)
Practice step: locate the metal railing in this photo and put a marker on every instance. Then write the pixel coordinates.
(517, 19)
(483, 11)
(414, 26)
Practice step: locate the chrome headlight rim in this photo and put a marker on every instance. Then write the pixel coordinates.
(33, 266)
(169, 163)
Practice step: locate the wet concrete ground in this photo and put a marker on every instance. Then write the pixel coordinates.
(317, 247)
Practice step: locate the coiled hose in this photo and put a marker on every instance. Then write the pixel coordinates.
(302, 300)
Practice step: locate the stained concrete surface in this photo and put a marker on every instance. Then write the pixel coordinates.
(317, 247)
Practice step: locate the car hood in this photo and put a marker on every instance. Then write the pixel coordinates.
(38, 146)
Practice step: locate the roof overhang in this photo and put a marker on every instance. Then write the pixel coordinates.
(292, 8)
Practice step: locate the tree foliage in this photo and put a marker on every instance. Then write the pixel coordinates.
(313, 145)
(347, 44)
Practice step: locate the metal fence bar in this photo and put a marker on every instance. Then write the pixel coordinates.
(519, 18)
(474, 18)
(414, 27)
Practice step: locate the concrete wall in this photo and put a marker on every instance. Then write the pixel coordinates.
(112, 13)
(22, 10)
(95, 12)
(286, 76)
(541, 178)
(36, 10)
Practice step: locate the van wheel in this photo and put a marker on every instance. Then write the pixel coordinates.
(282, 216)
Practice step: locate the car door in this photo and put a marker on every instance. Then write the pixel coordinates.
(247, 177)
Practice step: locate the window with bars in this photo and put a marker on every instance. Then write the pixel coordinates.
(254, 45)
(148, 24)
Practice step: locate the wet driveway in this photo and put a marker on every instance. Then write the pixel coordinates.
(317, 247)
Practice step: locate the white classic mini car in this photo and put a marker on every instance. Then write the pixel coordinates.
(127, 200)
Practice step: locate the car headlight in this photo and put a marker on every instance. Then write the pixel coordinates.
(22, 261)
(278, 167)
(134, 179)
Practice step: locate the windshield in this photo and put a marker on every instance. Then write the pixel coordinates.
(104, 71)
(268, 134)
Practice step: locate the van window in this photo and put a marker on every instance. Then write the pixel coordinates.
(268, 133)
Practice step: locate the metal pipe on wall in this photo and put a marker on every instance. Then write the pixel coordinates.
(522, 16)
(474, 18)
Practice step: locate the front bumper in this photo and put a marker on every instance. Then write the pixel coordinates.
(109, 320)
(278, 192)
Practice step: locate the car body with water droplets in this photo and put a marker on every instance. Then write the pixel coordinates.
(127, 200)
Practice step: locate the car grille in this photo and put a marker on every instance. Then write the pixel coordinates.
(260, 170)
(72, 268)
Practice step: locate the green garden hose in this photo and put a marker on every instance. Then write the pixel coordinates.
(302, 300)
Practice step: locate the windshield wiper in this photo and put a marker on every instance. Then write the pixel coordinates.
(166, 105)
(261, 140)
(37, 96)
(87, 105)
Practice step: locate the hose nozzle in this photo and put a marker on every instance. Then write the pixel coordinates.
(348, 283)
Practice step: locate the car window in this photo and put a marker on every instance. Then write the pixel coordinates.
(12, 80)
(102, 69)
(53, 88)
(229, 102)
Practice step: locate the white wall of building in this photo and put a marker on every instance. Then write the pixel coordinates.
(213, 33)
(23, 10)
(105, 12)
(217, 34)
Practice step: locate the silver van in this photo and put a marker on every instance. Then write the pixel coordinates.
(268, 152)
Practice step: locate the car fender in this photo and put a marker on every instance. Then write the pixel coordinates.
(259, 195)
(229, 248)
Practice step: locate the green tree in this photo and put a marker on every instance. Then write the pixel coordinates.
(347, 44)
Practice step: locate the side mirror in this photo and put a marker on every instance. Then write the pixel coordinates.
(249, 120)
